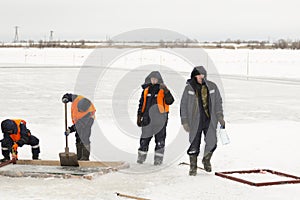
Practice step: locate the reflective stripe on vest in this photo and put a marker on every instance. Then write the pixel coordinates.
(162, 106)
(77, 115)
(17, 137)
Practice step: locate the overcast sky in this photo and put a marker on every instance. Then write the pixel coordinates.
(207, 20)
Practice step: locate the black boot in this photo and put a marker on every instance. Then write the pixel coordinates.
(193, 165)
(206, 161)
(5, 153)
(35, 152)
(86, 152)
(142, 155)
(79, 149)
(158, 158)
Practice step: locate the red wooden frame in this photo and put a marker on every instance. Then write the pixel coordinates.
(226, 175)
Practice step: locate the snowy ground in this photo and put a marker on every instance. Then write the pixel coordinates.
(263, 122)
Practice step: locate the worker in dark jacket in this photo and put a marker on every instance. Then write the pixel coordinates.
(16, 135)
(153, 116)
(83, 115)
(201, 110)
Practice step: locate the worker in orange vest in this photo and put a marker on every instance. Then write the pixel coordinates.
(83, 116)
(16, 135)
(153, 116)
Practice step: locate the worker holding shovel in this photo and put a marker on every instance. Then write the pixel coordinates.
(83, 115)
(16, 135)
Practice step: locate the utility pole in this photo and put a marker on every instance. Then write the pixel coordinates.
(16, 34)
(51, 36)
(248, 60)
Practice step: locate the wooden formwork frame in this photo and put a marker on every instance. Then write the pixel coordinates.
(228, 176)
(106, 168)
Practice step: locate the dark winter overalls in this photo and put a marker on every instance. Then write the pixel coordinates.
(154, 108)
(201, 110)
(83, 114)
(15, 131)
(201, 92)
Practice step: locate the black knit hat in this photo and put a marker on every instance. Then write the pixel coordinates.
(198, 70)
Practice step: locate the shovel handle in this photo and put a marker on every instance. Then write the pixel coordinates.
(66, 127)
(7, 162)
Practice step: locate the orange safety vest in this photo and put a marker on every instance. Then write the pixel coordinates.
(162, 106)
(76, 114)
(17, 137)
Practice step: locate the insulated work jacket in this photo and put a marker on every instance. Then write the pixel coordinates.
(78, 114)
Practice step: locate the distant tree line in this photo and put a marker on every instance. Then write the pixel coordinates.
(187, 43)
(279, 44)
(287, 44)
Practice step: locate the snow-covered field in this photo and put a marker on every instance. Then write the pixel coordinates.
(263, 122)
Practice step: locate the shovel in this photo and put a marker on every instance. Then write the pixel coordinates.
(67, 158)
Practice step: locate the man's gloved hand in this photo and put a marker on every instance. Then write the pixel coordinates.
(15, 146)
(162, 86)
(67, 132)
(14, 156)
(139, 121)
(222, 122)
(186, 127)
(71, 129)
(14, 152)
(67, 98)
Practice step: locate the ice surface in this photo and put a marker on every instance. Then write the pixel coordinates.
(262, 123)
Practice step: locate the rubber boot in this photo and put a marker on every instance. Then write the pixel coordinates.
(158, 158)
(35, 152)
(5, 153)
(86, 152)
(142, 155)
(193, 165)
(206, 161)
(79, 149)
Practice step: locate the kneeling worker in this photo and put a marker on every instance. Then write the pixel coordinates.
(16, 135)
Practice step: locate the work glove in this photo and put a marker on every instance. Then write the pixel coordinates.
(14, 152)
(15, 146)
(67, 98)
(139, 121)
(71, 129)
(222, 122)
(14, 156)
(186, 127)
(67, 132)
(162, 86)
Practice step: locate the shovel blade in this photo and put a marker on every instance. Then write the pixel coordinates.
(68, 159)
